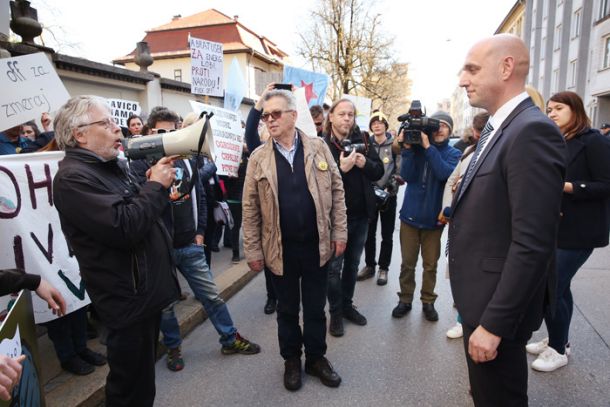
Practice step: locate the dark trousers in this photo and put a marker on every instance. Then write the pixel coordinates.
(388, 220)
(558, 325)
(342, 270)
(210, 232)
(235, 208)
(269, 284)
(501, 382)
(304, 280)
(131, 358)
(69, 334)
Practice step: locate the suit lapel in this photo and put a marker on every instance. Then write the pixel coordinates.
(494, 140)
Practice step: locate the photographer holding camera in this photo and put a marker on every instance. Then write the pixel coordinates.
(359, 166)
(386, 190)
(425, 167)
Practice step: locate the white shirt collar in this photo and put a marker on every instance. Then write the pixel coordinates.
(506, 109)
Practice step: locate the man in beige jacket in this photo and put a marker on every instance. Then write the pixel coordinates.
(294, 221)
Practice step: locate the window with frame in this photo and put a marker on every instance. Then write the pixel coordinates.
(557, 38)
(576, 21)
(572, 74)
(555, 81)
(604, 8)
(178, 75)
(606, 60)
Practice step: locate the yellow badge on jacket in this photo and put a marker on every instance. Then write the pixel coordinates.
(386, 160)
(323, 166)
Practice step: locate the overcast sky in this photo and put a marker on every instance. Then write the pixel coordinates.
(432, 35)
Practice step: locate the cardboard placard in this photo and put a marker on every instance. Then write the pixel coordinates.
(206, 67)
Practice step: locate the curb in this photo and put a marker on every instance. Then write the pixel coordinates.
(88, 391)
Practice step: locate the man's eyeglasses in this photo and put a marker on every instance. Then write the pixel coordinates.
(276, 114)
(107, 123)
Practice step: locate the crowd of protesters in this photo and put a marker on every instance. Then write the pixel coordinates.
(147, 220)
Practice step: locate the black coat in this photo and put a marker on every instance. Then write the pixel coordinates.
(503, 231)
(115, 230)
(585, 214)
(372, 171)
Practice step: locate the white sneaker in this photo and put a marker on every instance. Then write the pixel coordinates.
(536, 348)
(549, 360)
(455, 332)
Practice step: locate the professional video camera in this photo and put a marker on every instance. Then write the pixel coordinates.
(187, 142)
(348, 147)
(415, 121)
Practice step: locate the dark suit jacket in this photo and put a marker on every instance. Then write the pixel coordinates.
(504, 226)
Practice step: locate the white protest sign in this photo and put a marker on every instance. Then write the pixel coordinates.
(121, 110)
(206, 67)
(227, 139)
(304, 120)
(11, 347)
(363, 110)
(30, 86)
(30, 232)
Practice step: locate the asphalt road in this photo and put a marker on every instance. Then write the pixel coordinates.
(389, 362)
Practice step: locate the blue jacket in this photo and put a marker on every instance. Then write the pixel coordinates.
(8, 147)
(425, 172)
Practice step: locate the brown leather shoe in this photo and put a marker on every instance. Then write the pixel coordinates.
(292, 374)
(322, 368)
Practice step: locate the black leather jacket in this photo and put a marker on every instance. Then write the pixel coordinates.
(115, 230)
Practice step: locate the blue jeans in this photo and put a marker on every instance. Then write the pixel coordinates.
(558, 325)
(190, 260)
(341, 286)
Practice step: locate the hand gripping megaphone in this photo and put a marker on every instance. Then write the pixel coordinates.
(185, 142)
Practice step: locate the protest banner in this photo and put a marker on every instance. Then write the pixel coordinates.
(18, 337)
(30, 231)
(363, 110)
(206, 67)
(121, 109)
(227, 137)
(30, 86)
(236, 87)
(315, 84)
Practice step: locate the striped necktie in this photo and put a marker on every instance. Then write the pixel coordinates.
(482, 141)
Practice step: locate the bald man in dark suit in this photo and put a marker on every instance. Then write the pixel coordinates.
(504, 222)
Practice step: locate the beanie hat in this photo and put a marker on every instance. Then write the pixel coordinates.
(444, 117)
(378, 116)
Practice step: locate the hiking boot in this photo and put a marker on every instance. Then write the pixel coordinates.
(336, 325)
(382, 279)
(175, 363)
(351, 314)
(241, 345)
(366, 273)
(429, 312)
(93, 358)
(324, 370)
(401, 309)
(292, 374)
(77, 366)
(270, 306)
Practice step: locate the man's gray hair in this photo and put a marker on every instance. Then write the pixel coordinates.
(287, 95)
(75, 112)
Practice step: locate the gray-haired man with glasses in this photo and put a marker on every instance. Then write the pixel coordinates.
(123, 249)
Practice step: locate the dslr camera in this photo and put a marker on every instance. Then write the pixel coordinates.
(414, 122)
(348, 147)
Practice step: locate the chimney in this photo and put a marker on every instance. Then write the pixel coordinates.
(177, 17)
(235, 17)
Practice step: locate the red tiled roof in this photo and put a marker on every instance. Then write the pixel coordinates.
(211, 25)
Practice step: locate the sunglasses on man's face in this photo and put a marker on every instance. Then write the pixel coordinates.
(276, 114)
(161, 131)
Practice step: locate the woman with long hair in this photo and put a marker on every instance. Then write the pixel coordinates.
(585, 218)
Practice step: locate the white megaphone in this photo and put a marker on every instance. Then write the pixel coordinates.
(185, 142)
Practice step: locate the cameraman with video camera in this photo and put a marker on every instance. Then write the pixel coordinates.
(427, 162)
(386, 190)
(359, 165)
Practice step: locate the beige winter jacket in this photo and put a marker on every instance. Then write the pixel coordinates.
(261, 220)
